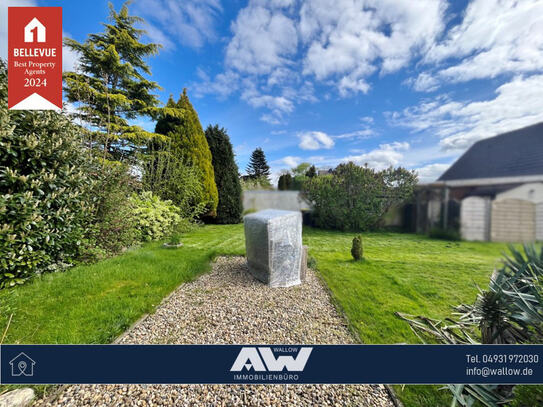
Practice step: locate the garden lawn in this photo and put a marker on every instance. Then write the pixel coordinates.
(410, 274)
(96, 303)
(401, 272)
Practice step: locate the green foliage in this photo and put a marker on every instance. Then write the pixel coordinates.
(109, 86)
(510, 311)
(113, 222)
(357, 251)
(171, 177)
(285, 181)
(44, 184)
(188, 144)
(444, 234)
(258, 165)
(260, 183)
(357, 198)
(226, 175)
(155, 218)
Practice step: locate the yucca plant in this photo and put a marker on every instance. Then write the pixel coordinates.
(510, 311)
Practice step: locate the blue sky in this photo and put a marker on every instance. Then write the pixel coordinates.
(382, 82)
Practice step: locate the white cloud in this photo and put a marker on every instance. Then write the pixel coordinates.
(264, 38)
(70, 58)
(495, 37)
(431, 172)
(290, 161)
(383, 157)
(315, 140)
(459, 124)
(349, 39)
(222, 85)
(358, 134)
(188, 22)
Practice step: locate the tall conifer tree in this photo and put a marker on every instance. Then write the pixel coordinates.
(179, 122)
(109, 86)
(226, 175)
(258, 165)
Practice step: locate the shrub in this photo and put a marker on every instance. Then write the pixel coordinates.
(189, 144)
(226, 176)
(357, 251)
(250, 184)
(113, 222)
(285, 181)
(44, 184)
(357, 198)
(174, 179)
(155, 218)
(444, 234)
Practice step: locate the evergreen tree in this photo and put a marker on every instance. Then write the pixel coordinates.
(180, 124)
(258, 166)
(285, 182)
(109, 86)
(311, 172)
(230, 206)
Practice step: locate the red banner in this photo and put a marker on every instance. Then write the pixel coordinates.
(35, 58)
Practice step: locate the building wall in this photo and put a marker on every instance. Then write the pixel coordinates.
(513, 220)
(475, 218)
(532, 192)
(285, 200)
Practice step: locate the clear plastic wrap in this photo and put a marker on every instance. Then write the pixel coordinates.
(273, 241)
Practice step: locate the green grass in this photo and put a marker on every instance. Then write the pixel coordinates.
(410, 274)
(96, 303)
(401, 272)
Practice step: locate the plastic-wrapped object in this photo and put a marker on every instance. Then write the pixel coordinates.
(273, 241)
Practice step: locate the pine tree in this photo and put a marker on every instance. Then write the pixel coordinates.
(230, 206)
(180, 124)
(109, 87)
(258, 166)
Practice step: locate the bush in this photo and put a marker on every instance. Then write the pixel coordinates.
(252, 184)
(444, 234)
(226, 176)
(357, 198)
(155, 218)
(44, 184)
(357, 251)
(113, 222)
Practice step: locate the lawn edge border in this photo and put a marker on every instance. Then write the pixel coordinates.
(395, 399)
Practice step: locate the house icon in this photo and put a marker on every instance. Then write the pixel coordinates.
(22, 365)
(34, 26)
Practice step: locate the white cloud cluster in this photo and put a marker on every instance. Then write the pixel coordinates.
(264, 39)
(283, 46)
(494, 37)
(383, 157)
(350, 39)
(188, 22)
(315, 140)
(459, 124)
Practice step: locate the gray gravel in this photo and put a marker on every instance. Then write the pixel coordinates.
(228, 306)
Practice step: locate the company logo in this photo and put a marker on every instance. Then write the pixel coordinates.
(35, 29)
(262, 359)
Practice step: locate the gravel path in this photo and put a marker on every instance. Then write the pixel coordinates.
(228, 305)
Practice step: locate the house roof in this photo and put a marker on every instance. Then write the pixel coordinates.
(512, 154)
